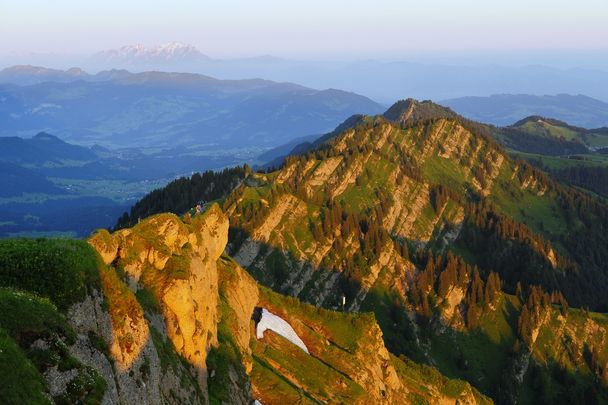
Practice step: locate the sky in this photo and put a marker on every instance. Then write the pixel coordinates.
(352, 28)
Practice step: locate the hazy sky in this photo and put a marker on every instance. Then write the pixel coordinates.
(313, 27)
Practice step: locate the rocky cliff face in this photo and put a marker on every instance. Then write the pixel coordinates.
(174, 263)
(176, 315)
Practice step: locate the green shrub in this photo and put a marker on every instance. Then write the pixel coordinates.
(21, 382)
(99, 343)
(166, 352)
(26, 317)
(59, 269)
(147, 300)
(87, 387)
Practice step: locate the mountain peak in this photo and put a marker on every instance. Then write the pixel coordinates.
(76, 71)
(538, 119)
(29, 74)
(43, 136)
(411, 110)
(31, 69)
(164, 53)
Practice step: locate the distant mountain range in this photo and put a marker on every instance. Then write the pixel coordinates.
(27, 74)
(381, 80)
(48, 155)
(157, 126)
(505, 109)
(41, 149)
(118, 108)
(162, 125)
(138, 55)
(49, 185)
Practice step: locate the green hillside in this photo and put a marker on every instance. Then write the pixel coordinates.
(546, 136)
(362, 215)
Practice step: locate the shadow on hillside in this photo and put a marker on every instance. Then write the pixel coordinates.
(284, 273)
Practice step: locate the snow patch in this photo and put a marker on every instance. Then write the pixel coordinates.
(280, 326)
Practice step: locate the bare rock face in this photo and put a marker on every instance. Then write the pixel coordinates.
(130, 365)
(242, 295)
(87, 318)
(176, 263)
(190, 304)
(190, 310)
(105, 244)
(378, 372)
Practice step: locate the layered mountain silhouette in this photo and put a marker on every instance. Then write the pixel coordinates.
(40, 149)
(505, 109)
(151, 109)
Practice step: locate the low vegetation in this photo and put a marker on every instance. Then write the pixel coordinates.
(60, 269)
(24, 320)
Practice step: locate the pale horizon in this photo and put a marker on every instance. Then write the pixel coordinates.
(340, 30)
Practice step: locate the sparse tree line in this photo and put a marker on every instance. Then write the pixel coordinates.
(536, 305)
(439, 275)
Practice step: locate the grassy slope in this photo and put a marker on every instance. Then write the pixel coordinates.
(286, 374)
(561, 162)
(283, 373)
(549, 130)
(40, 279)
(21, 381)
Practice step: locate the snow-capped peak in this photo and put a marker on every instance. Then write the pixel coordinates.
(139, 53)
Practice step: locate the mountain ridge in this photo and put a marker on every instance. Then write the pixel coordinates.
(146, 107)
(404, 112)
(304, 218)
(505, 109)
(353, 217)
(168, 53)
